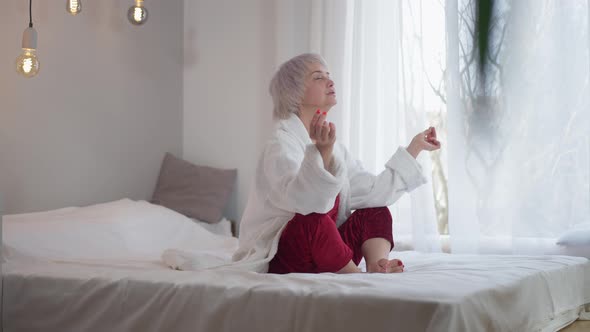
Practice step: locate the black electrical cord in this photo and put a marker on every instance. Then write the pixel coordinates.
(30, 14)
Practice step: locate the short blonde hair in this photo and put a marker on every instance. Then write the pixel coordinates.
(287, 86)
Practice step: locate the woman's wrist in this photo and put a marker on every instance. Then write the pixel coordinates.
(413, 150)
(325, 151)
(326, 157)
(328, 164)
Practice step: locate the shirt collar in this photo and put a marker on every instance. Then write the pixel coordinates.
(294, 125)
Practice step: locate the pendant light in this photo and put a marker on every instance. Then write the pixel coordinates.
(137, 14)
(73, 6)
(27, 63)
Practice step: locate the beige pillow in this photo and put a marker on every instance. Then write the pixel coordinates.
(198, 192)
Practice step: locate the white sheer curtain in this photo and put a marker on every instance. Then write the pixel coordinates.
(375, 53)
(519, 150)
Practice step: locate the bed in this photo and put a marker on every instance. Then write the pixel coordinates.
(107, 274)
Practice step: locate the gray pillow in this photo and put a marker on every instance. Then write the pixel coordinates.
(198, 192)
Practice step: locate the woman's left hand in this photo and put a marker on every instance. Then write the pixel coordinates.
(425, 140)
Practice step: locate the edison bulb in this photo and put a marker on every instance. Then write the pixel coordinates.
(73, 6)
(27, 63)
(137, 14)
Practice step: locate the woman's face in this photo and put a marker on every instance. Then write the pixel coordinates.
(319, 88)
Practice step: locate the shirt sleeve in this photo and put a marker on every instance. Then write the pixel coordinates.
(301, 184)
(402, 174)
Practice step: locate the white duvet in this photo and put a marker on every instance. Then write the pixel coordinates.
(123, 231)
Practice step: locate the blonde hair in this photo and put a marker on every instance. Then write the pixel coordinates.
(287, 86)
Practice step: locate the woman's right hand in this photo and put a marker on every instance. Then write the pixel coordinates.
(425, 140)
(324, 135)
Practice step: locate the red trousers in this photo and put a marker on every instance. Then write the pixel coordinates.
(313, 244)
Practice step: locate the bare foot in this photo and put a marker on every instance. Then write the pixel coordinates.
(386, 266)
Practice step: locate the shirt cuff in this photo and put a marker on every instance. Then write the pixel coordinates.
(314, 158)
(407, 167)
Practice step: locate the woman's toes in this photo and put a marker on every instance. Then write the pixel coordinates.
(396, 266)
(386, 266)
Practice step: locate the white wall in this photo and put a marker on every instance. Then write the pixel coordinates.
(94, 125)
(229, 60)
(83, 137)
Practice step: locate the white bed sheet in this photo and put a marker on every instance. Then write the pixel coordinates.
(99, 268)
(438, 292)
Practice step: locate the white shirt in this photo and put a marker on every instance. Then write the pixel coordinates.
(291, 178)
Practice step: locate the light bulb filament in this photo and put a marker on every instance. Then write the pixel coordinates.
(73, 5)
(27, 65)
(137, 14)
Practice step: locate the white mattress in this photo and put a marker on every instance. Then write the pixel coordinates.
(438, 292)
(99, 268)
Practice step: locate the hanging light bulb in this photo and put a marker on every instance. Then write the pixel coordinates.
(137, 14)
(73, 6)
(27, 63)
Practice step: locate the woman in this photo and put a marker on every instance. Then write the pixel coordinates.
(298, 217)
